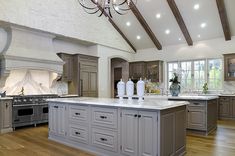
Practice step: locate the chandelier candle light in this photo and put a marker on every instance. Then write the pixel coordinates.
(130, 89)
(106, 7)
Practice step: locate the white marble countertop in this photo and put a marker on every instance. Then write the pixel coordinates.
(151, 104)
(6, 98)
(181, 97)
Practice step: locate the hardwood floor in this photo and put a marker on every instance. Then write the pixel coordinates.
(33, 142)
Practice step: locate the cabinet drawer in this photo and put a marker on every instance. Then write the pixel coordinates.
(104, 117)
(223, 99)
(104, 139)
(197, 105)
(78, 113)
(196, 119)
(78, 133)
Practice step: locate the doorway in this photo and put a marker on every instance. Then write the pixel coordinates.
(119, 70)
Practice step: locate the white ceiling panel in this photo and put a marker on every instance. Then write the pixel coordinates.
(149, 9)
(134, 30)
(207, 13)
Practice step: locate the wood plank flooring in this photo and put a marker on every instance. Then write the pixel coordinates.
(33, 142)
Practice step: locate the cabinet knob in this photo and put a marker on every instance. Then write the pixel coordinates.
(139, 116)
(77, 133)
(135, 115)
(77, 113)
(7, 105)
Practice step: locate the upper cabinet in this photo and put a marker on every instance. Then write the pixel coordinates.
(154, 71)
(150, 70)
(137, 70)
(68, 66)
(229, 67)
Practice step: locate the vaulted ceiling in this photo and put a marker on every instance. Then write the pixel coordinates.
(170, 22)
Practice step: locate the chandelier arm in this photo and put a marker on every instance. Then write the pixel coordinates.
(124, 1)
(91, 8)
(118, 12)
(94, 11)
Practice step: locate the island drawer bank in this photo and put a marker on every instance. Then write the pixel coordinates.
(110, 127)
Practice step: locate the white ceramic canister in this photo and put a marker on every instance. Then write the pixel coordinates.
(130, 89)
(140, 89)
(121, 89)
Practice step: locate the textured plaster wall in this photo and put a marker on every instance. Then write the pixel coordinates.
(64, 17)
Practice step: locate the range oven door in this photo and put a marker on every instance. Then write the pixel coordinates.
(43, 112)
(23, 114)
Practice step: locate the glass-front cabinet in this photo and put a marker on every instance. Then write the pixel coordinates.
(229, 67)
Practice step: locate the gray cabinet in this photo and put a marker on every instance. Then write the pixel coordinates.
(139, 135)
(151, 70)
(229, 67)
(5, 115)
(137, 70)
(173, 131)
(227, 107)
(67, 67)
(196, 115)
(86, 79)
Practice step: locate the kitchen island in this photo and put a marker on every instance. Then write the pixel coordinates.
(202, 112)
(113, 127)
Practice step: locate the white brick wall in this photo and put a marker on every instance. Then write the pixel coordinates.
(65, 17)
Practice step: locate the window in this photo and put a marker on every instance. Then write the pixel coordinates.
(214, 73)
(172, 68)
(186, 77)
(199, 74)
(194, 73)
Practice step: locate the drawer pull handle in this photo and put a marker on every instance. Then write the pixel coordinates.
(56, 107)
(196, 103)
(77, 133)
(77, 113)
(139, 116)
(103, 117)
(103, 139)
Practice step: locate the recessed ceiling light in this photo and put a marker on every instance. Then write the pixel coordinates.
(158, 15)
(138, 37)
(199, 36)
(167, 31)
(203, 25)
(128, 23)
(196, 6)
(180, 39)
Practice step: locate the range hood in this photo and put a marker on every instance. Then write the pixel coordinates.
(28, 49)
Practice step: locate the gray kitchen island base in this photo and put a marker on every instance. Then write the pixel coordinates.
(109, 128)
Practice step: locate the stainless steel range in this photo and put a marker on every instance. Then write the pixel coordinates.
(30, 109)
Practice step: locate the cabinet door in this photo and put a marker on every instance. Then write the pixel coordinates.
(232, 105)
(196, 119)
(224, 108)
(147, 133)
(84, 83)
(129, 138)
(53, 119)
(93, 89)
(61, 119)
(57, 119)
(7, 114)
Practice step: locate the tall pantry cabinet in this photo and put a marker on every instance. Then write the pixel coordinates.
(81, 73)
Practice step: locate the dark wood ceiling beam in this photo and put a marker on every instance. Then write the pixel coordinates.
(224, 19)
(145, 25)
(180, 21)
(118, 29)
